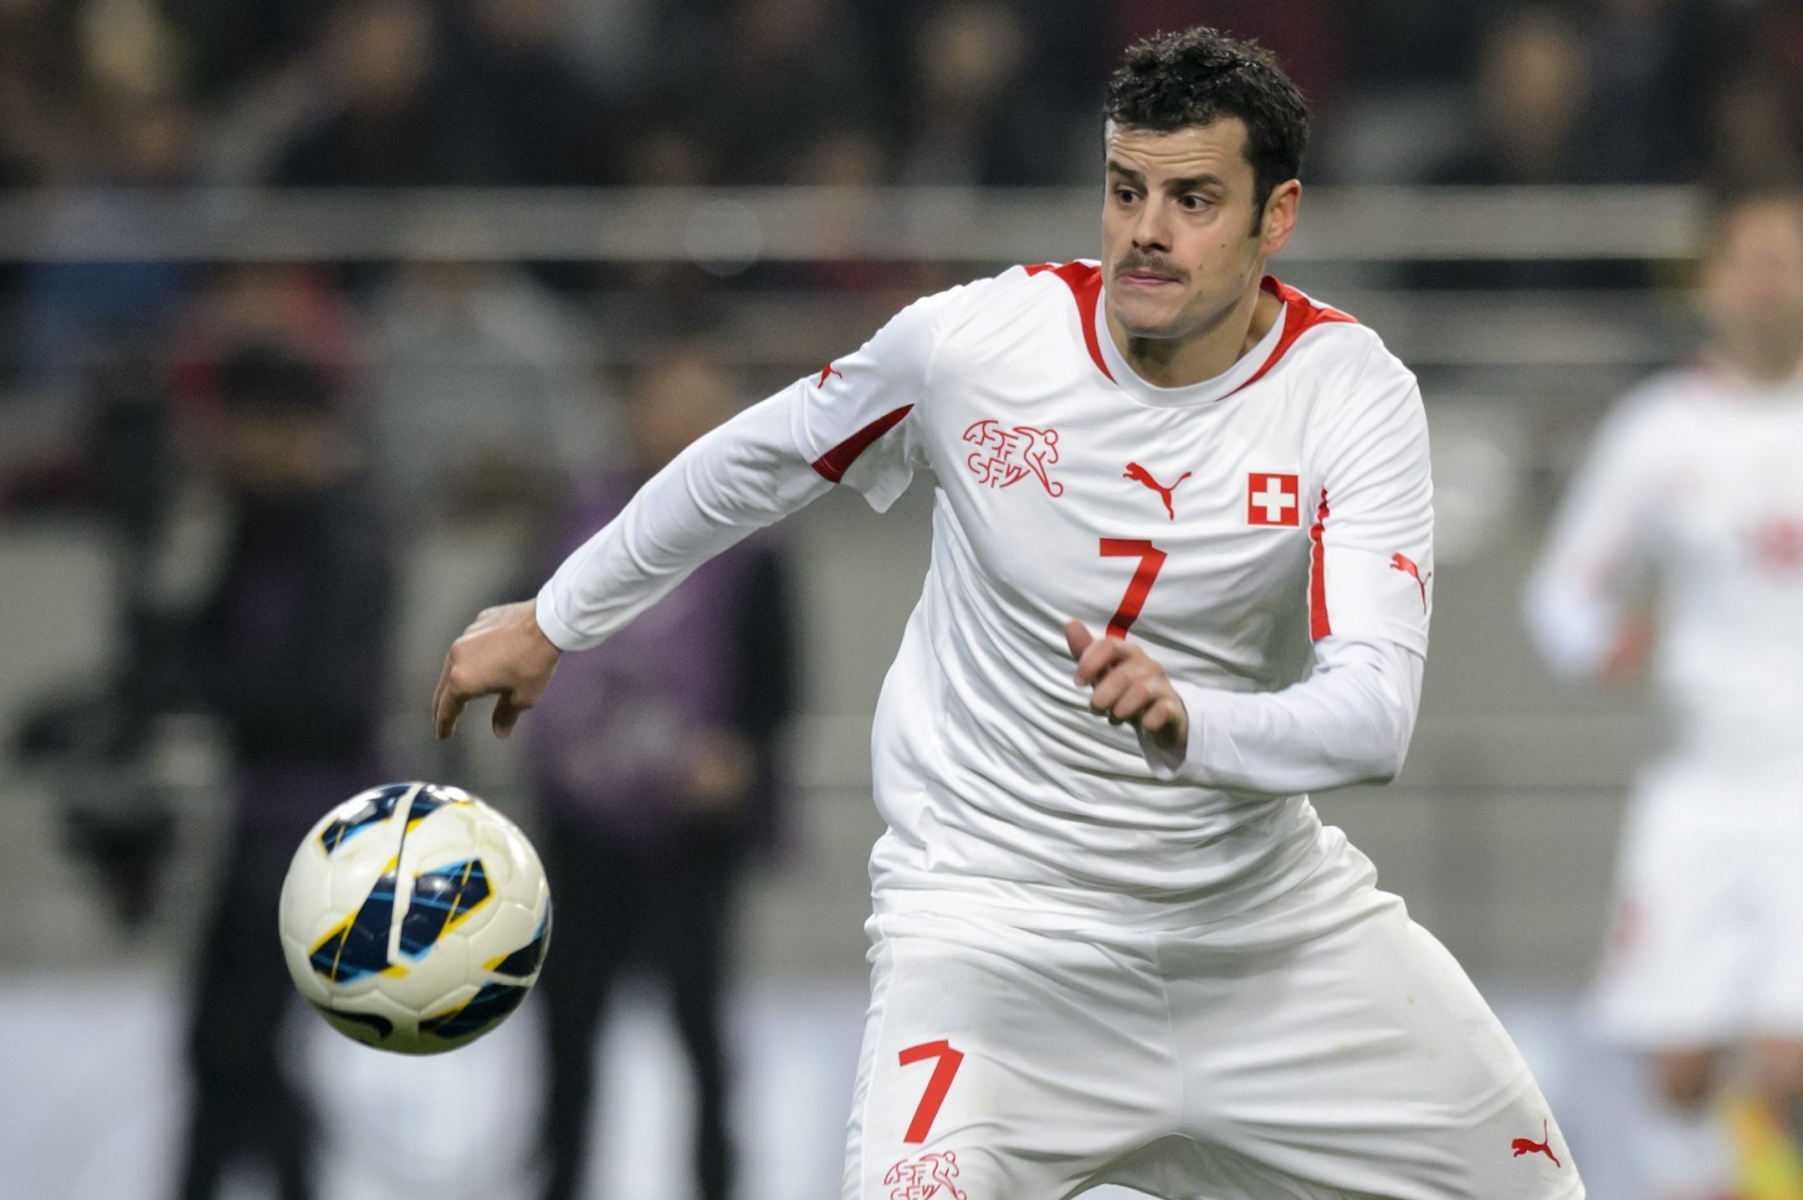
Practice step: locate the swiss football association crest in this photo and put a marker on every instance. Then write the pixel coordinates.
(1006, 455)
(1273, 499)
(928, 1177)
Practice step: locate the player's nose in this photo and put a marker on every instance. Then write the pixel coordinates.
(1152, 231)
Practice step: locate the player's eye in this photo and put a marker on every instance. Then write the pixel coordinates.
(1125, 195)
(1193, 203)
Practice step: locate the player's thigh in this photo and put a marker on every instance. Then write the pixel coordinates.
(1683, 938)
(1363, 1062)
(1774, 970)
(998, 1064)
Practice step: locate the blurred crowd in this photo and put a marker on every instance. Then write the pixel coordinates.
(165, 93)
(994, 92)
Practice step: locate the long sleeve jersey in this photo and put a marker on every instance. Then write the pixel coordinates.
(1692, 483)
(1266, 535)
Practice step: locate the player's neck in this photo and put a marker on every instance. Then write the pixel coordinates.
(1764, 366)
(1180, 362)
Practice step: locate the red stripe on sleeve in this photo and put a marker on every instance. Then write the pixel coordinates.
(832, 465)
(1318, 626)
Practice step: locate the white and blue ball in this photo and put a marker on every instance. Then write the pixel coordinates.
(415, 917)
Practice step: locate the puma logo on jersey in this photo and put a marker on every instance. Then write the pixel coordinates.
(1135, 471)
(1405, 564)
(828, 369)
(1523, 1146)
(1006, 456)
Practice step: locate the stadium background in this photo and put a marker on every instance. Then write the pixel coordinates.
(1511, 196)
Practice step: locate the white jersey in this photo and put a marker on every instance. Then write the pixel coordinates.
(1266, 536)
(1698, 478)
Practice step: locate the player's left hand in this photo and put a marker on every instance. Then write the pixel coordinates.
(1128, 686)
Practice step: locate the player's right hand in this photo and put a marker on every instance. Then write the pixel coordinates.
(1127, 685)
(504, 654)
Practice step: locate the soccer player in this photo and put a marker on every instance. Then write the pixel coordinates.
(1696, 482)
(1181, 575)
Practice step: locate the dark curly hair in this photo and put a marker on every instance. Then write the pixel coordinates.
(1199, 76)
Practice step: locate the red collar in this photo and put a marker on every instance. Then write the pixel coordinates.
(1300, 314)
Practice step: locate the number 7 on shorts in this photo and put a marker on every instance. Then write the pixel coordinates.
(937, 1086)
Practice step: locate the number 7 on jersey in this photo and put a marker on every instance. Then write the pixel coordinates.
(1151, 560)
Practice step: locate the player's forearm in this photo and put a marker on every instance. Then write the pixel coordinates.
(1349, 722)
(741, 477)
(1576, 603)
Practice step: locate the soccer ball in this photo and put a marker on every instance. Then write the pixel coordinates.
(414, 917)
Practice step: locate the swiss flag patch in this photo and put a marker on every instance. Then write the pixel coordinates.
(1273, 499)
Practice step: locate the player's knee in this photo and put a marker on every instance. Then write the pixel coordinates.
(1686, 1079)
(1778, 1070)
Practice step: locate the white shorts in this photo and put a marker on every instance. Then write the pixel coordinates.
(1706, 944)
(1006, 1064)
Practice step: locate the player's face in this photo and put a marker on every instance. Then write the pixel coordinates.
(1753, 288)
(1184, 237)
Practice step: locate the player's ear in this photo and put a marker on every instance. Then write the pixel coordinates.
(1279, 217)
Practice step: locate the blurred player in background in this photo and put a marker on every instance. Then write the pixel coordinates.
(1112, 941)
(1695, 483)
(655, 758)
(289, 654)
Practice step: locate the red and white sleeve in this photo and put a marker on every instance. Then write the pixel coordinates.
(1370, 595)
(847, 423)
(1371, 553)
